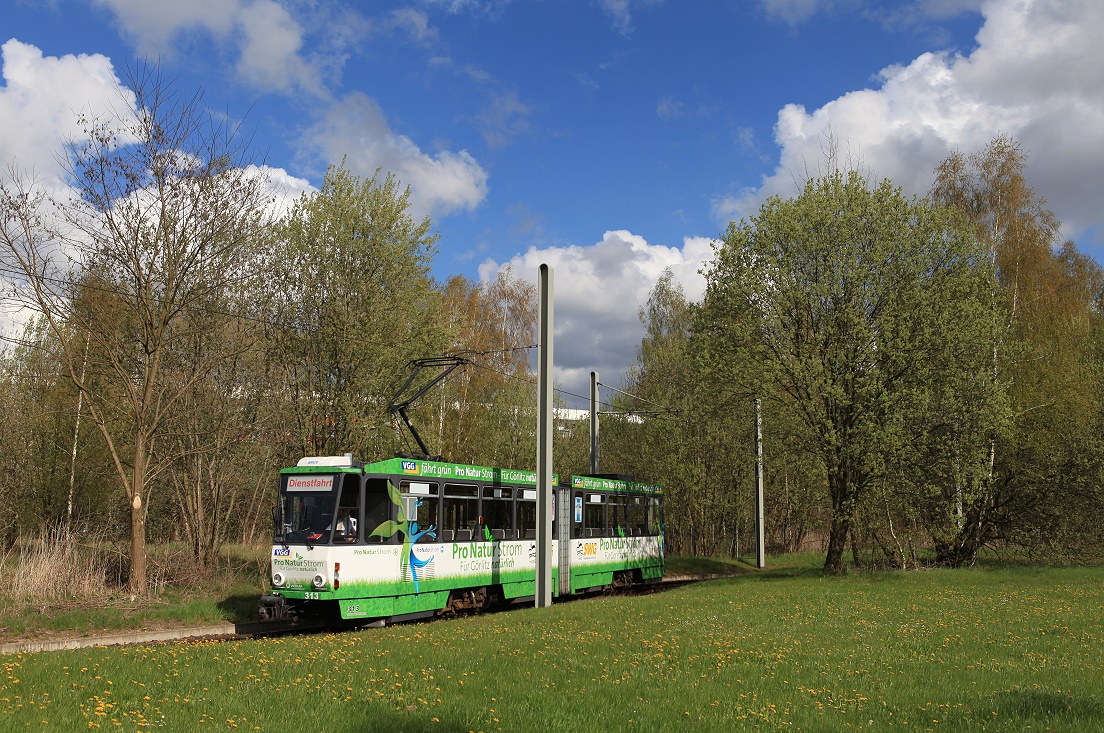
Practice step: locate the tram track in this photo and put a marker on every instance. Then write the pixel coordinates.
(263, 629)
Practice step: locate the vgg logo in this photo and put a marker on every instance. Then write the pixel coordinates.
(410, 466)
(282, 552)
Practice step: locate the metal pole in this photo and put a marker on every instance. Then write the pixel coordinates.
(594, 423)
(760, 543)
(542, 597)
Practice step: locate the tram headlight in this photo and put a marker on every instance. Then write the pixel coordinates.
(278, 579)
(319, 581)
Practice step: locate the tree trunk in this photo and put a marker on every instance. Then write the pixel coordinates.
(137, 545)
(844, 500)
(837, 543)
(138, 507)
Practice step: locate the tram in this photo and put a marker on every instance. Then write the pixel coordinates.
(402, 539)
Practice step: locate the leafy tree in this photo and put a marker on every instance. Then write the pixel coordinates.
(353, 304)
(676, 430)
(1047, 301)
(848, 303)
(486, 413)
(164, 207)
(221, 428)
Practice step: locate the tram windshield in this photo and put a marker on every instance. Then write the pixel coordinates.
(308, 507)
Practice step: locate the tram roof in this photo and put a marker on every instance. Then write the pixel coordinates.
(460, 471)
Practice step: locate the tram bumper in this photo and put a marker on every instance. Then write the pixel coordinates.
(273, 608)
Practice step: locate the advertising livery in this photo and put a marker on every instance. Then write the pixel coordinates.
(407, 538)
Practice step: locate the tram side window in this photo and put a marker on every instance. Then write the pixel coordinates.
(498, 513)
(594, 515)
(617, 520)
(345, 529)
(527, 514)
(377, 509)
(460, 511)
(655, 516)
(638, 514)
(428, 517)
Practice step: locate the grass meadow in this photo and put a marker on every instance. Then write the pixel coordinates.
(1002, 649)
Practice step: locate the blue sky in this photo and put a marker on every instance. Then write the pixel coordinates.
(610, 138)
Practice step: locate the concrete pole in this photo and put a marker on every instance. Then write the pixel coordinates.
(543, 591)
(760, 542)
(594, 423)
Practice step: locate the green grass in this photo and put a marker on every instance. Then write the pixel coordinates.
(993, 650)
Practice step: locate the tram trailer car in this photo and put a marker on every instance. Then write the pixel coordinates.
(402, 539)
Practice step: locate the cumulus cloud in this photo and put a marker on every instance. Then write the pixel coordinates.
(1037, 73)
(46, 94)
(355, 128)
(271, 40)
(281, 189)
(599, 290)
(155, 24)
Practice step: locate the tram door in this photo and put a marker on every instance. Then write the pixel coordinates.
(563, 526)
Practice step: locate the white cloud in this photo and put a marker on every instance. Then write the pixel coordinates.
(796, 12)
(503, 118)
(484, 7)
(599, 290)
(670, 108)
(620, 12)
(355, 128)
(270, 52)
(281, 189)
(1037, 73)
(43, 96)
(155, 24)
(792, 11)
(269, 39)
(46, 94)
(414, 22)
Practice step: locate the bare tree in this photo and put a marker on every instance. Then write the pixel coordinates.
(162, 205)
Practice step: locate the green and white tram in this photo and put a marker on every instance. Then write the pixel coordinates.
(404, 538)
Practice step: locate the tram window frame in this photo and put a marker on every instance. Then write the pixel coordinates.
(616, 515)
(308, 514)
(429, 513)
(595, 514)
(377, 488)
(497, 510)
(638, 514)
(655, 516)
(525, 509)
(460, 493)
(341, 536)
